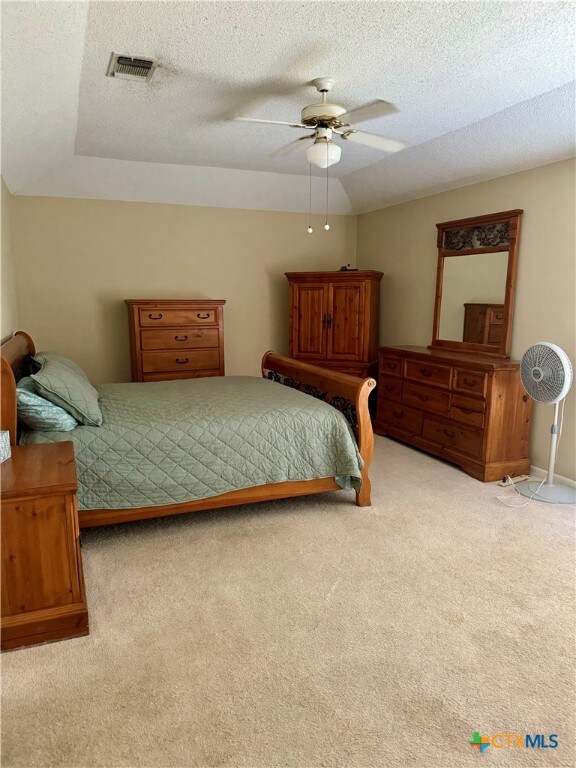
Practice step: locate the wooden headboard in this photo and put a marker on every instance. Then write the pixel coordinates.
(15, 362)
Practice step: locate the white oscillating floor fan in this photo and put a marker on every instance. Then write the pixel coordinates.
(546, 373)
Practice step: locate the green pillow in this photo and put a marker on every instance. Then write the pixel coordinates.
(40, 414)
(64, 383)
(41, 357)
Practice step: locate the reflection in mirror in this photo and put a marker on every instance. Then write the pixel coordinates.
(473, 295)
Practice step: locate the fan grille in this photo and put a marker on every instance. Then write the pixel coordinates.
(546, 372)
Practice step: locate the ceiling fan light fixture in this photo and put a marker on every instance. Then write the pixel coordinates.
(323, 154)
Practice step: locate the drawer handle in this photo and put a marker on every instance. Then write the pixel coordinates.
(182, 362)
(202, 317)
(423, 398)
(177, 338)
(155, 317)
(449, 433)
(398, 414)
(392, 366)
(499, 316)
(468, 410)
(426, 372)
(470, 382)
(389, 388)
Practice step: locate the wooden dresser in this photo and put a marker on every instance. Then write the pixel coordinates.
(176, 339)
(43, 595)
(334, 319)
(483, 324)
(468, 408)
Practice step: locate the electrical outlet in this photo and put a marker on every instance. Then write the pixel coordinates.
(507, 480)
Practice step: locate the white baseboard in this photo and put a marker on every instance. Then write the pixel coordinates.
(538, 472)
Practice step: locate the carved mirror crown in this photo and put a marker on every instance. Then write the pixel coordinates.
(475, 284)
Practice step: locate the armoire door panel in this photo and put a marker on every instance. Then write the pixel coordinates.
(309, 321)
(346, 321)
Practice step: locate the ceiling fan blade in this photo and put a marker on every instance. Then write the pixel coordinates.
(289, 148)
(371, 111)
(271, 122)
(376, 142)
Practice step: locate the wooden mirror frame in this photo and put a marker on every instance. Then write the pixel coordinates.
(512, 218)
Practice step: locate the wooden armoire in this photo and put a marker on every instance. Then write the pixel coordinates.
(334, 319)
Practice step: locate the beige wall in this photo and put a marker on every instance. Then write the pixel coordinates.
(401, 241)
(8, 308)
(79, 259)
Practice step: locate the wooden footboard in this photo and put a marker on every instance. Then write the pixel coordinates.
(346, 393)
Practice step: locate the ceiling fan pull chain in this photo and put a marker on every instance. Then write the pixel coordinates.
(310, 230)
(326, 225)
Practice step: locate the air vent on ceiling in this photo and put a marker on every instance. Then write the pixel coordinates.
(130, 67)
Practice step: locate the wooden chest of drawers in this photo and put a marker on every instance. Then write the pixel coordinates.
(470, 409)
(176, 339)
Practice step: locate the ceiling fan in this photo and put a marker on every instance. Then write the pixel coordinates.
(327, 120)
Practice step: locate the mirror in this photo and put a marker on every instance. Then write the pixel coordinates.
(472, 286)
(475, 283)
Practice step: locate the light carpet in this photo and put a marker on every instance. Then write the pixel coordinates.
(312, 632)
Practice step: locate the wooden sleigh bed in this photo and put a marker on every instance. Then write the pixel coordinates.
(347, 393)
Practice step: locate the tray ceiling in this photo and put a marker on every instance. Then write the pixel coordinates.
(482, 89)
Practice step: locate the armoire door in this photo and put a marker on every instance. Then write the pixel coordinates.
(346, 309)
(474, 323)
(309, 319)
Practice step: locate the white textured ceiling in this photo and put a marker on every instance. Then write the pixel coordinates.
(483, 89)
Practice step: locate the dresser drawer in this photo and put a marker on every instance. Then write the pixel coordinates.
(390, 389)
(427, 398)
(159, 317)
(187, 360)
(438, 375)
(180, 339)
(451, 435)
(495, 316)
(401, 417)
(470, 381)
(390, 365)
(467, 410)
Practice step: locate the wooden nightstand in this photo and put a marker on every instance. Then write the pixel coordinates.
(43, 595)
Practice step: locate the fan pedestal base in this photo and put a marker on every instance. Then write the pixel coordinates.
(556, 493)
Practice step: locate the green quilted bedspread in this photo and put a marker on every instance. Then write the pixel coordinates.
(175, 441)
